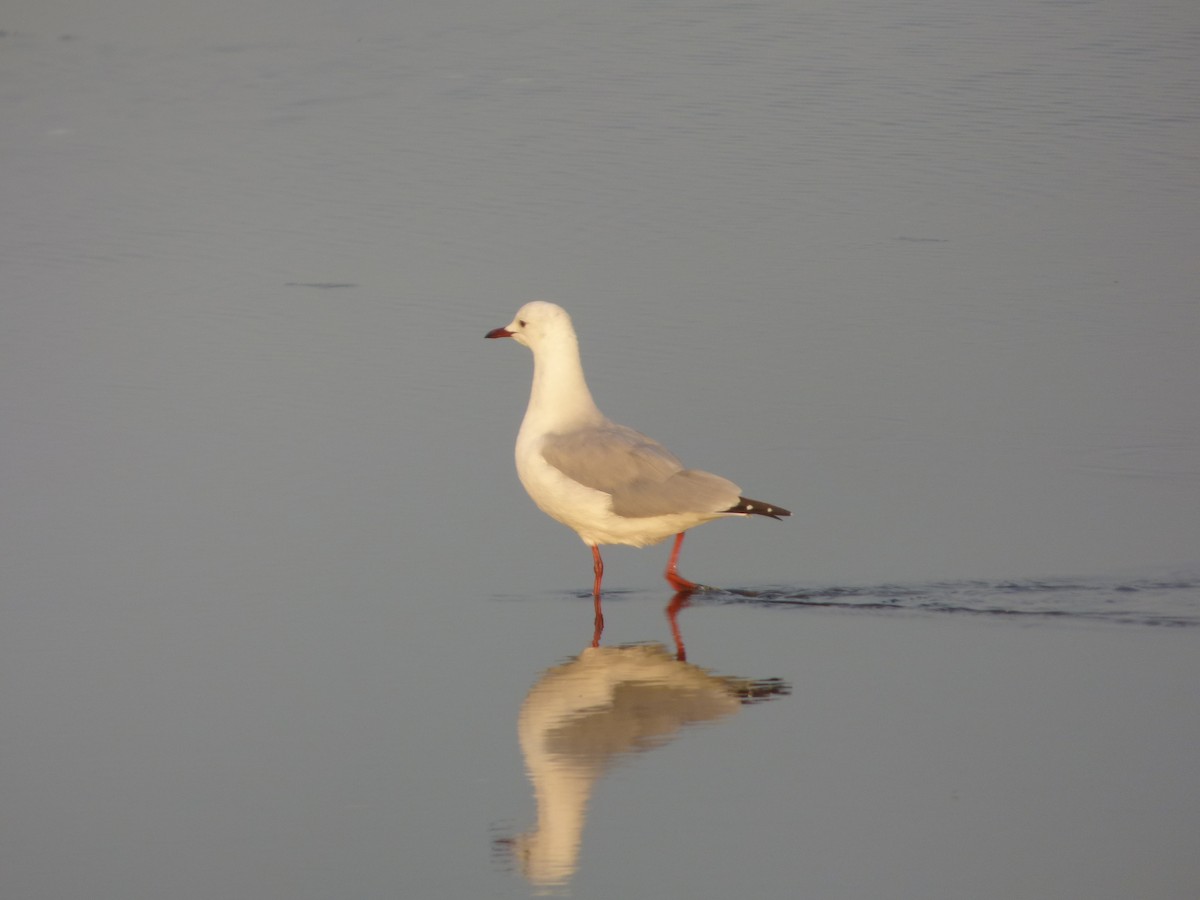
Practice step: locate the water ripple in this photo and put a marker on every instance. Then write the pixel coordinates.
(1172, 601)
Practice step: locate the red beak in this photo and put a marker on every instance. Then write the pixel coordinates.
(498, 332)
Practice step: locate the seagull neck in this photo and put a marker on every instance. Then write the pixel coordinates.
(560, 395)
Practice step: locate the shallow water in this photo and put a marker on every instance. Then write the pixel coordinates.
(275, 614)
(1166, 601)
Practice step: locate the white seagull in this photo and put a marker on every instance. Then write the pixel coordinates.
(609, 483)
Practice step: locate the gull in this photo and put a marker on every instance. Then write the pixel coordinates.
(607, 482)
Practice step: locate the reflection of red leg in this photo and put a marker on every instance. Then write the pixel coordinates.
(672, 574)
(678, 602)
(598, 622)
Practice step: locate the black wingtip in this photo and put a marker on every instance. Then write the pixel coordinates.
(748, 507)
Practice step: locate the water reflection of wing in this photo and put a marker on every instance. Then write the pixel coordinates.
(581, 717)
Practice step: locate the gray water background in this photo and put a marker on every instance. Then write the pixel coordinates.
(924, 272)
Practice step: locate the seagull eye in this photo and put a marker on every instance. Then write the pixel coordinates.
(521, 323)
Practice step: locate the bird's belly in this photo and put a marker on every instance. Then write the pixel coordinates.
(589, 513)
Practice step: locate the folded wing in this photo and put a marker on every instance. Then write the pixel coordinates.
(642, 476)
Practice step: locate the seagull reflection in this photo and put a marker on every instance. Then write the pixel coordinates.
(682, 600)
(582, 717)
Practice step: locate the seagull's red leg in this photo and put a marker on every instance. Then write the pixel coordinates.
(598, 568)
(598, 622)
(672, 574)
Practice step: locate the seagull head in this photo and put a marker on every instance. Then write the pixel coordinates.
(534, 323)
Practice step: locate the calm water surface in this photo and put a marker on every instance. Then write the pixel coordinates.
(276, 618)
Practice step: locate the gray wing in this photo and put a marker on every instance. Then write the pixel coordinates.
(643, 477)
